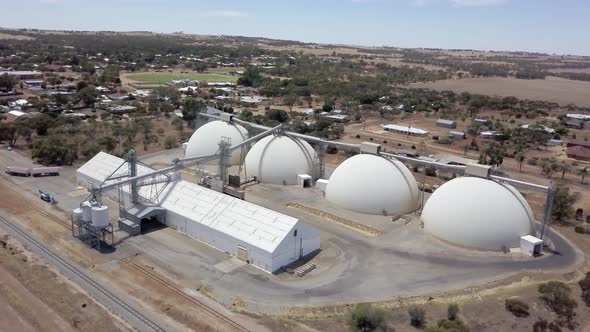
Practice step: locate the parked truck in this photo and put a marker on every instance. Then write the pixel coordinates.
(34, 171)
(45, 171)
(18, 171)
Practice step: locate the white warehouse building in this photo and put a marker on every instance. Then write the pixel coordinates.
(266, 239)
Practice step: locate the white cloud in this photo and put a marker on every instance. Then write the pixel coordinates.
(224, 13)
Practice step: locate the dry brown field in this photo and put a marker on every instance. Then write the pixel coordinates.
(552, 89)
(17, 37)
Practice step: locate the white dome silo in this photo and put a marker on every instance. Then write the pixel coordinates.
(478, 213)
(279, 159)
(205, 140)
(371, 184)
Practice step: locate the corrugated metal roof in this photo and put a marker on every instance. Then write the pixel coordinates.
(411, 130)
(247, 222)
(444, 121)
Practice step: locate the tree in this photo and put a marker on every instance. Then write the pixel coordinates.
(291, 100)
(56, 150)
(9, 132)
(564, 167)
(251, 77)
(190, 108)
(81, 85)
(417, 316)
(365, 317)
(277, 115)
(107, 143)
(452, 311)
(583, 172)
(89, 149)
(520, 158)
(563, 203)
(7, 82)
(549, 167)
(492, 155)
(87, 95)
(246, 115)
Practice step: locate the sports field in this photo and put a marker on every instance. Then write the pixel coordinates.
(156, 78)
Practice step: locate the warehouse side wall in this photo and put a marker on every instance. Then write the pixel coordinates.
(221, 241)
(293, 247)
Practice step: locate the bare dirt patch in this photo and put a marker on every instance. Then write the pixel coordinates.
(557, 90)
(43, 300)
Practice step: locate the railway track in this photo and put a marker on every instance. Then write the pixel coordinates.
(88, 280)
(21, 204)
(210, 311)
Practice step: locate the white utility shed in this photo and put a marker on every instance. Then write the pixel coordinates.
(531, 245)
(266, 239)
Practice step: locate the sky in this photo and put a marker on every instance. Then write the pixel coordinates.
(549, 26)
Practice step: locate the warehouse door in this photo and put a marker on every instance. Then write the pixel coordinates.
(242, 253)
(300, 248)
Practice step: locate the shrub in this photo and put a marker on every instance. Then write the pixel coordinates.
(365, 317)
(517, 307)
(170, 142)
(452, 311)
(445, 325)
(358, 136)
(585, 286)
(417, 316)
(331, 149)
(543, 326)
(580, 229)
(556, 296)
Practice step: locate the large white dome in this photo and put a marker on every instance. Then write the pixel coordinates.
(371, 184)
(279, 159)
(205, 140)
(478, 213)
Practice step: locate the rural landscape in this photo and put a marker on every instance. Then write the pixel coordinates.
(191, 182)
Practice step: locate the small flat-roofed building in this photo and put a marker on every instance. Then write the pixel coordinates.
(457, 134)
(446, 123)
(575, 124)
(539, 127)
(406, 130)
(554, 142)
(24, 74)
(336, 117)
(121, 109)
(492, 134)
(576, 116)
(578, 152)
(14, 114)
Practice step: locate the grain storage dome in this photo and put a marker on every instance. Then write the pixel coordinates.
(205, 140)
(371, 184)
(478, 213)
(275, 159)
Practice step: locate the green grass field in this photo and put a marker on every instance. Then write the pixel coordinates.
(155, 78)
